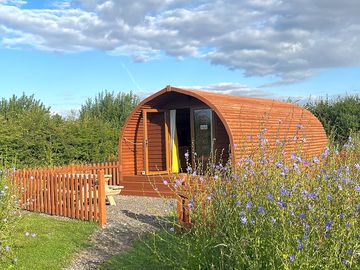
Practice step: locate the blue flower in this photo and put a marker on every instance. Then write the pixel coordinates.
(281, 204)
(302, 216)
(273, 220)
(270, 197)
(307, 227)
(243, 218)
(312, 195)
(329, 197)
(248, 194)
(284, 191)
(249, 205)
(327, 235)
(316, 160)
(350, 251)
(300, 245)
(342, 215)
(348, 225)
(292, 258)
(357, 188)
(238, 203)
(357, 166)
(279, 164)
(282, 174)
(328, 225)
(261, 210)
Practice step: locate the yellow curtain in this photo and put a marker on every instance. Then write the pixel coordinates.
(175, 167)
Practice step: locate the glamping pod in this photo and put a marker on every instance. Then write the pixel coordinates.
(166, 130)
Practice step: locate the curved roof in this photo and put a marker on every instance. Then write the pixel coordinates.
(250, 120)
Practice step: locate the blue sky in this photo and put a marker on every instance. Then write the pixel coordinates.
(64, 52)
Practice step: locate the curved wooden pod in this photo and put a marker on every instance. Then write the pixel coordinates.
(243, 118)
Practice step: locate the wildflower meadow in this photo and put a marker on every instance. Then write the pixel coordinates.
(270, 211)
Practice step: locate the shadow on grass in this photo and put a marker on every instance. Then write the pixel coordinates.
(140, 256)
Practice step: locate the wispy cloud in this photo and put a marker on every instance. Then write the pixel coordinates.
(290, 40)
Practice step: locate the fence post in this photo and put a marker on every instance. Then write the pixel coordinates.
(102, 208)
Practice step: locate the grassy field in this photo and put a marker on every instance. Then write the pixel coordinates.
(44, 242)
(141, 256)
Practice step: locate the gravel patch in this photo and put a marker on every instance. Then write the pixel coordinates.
(130, 218)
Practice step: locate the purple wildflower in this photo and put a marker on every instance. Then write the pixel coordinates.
(325, 153)
(282, 204)
(282, 174)
(350, 251)
(292, 258)
(279, 164)
(357, 166)
(165, 182)
(191, 203)
(300, 126)
(328, 225)
(270, 197)
(248, 194)
(300, 245)
(249, 205)
(284, 191)
(312, 195)
(342, 215)
(261, 210)
(243, 218)
(7, 248)
(238, 203)
(316, 160)
(329, 196)
(273, 220)
(357, 188)
(307, 227)
(302, 216)
(296, 168)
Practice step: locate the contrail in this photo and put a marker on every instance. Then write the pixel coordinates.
(131, 77)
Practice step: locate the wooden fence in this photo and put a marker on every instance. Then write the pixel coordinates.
(75, 191)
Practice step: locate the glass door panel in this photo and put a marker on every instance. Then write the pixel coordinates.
(203, 132)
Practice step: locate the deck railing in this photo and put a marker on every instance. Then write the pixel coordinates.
(74, 191)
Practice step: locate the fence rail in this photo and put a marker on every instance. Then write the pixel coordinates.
(75, 191)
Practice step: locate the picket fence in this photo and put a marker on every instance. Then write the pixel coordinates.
(74, 191)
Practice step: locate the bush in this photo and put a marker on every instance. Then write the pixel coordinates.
(339, 117)
(8, 216)
(269, 212)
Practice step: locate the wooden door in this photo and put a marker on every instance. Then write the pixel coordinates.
(156, 142)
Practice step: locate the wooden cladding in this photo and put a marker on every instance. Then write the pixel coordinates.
(237, 123)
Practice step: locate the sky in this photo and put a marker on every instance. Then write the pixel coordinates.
(67, 51)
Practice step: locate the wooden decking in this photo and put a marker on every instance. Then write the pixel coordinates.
(152, 186)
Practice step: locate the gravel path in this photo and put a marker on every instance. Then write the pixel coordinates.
(131, 217)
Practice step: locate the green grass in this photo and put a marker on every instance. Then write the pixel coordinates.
(141, 256)
(55, 243)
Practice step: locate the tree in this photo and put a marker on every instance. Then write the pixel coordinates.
(339, 116)
(110, 107)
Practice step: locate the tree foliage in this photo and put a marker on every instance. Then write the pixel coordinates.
(339, 116)
(110, 107)
(31, 136)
